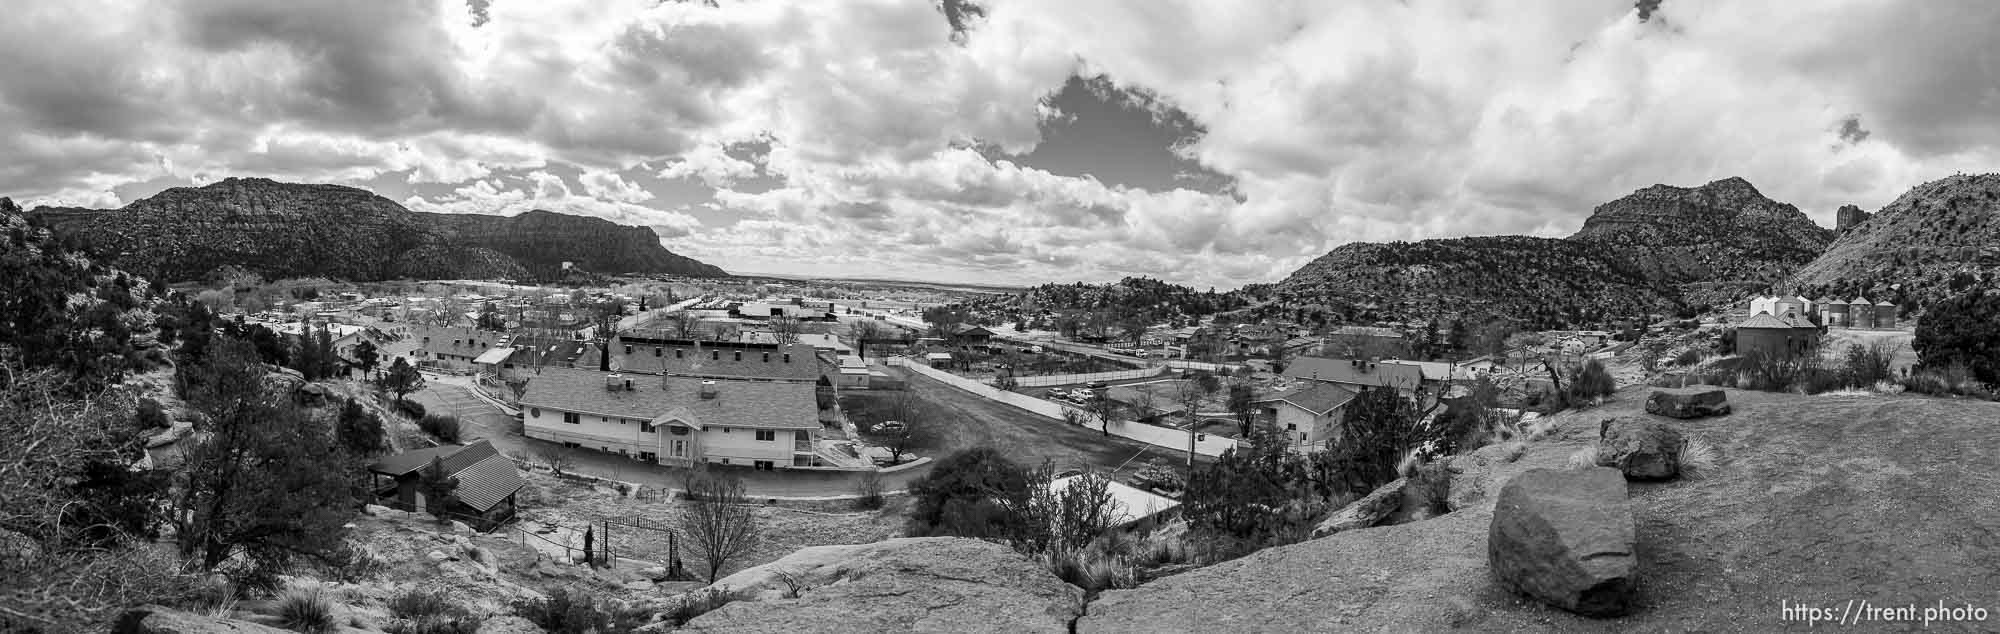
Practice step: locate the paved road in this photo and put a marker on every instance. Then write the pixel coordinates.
(482, 420)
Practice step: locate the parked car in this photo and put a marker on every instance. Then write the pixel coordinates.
(889, 427)
(1097, 385)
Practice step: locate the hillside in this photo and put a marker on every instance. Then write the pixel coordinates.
(1545, 281)
(1659, 249)
(281, 230)
(541, 241)
(1939, 236)
(1723, 233)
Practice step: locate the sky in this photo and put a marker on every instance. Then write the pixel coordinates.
(1212, 143)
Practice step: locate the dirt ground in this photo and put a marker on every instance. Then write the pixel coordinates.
(971, 421)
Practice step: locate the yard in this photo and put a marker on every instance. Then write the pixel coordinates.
(985, 365)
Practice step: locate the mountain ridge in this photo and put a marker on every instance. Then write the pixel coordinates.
(279, 230)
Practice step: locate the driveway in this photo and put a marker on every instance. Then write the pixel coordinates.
(480, 419)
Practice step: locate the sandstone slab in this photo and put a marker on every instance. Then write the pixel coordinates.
(1641, 449)
(153, 619)
(1688, 403)
(1368, 511)
(1566, 538)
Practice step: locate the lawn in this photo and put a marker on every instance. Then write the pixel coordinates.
(867, 409)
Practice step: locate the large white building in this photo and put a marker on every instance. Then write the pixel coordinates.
(676, 420)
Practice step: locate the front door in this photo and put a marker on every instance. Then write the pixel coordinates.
(677, 448)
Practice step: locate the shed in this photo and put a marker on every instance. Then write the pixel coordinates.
(487, 482)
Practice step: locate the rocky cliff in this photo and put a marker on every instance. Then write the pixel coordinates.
(542, 240)
(1937, 238)
(281, 230)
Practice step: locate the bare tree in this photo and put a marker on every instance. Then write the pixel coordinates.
(785, 327)
(863, 331)
(718, 522)
(556, 458)
(684, 324)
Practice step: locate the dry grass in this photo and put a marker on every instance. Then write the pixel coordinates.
(1584, 458)
(307, 608)
(1699, 459)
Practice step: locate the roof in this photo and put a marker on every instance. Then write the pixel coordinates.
(716, 360)
(826, 341)
(545, 351)
(1315, 396)
(938, 356)
(1884, 303)
(1764, 320)
(760, 404)
(1365, 331)
(969, 329)
(494, 355)
(484, 476)
(1344, 371)
(1434, 370)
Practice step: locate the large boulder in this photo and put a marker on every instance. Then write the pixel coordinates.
(912, 584)
(1566, 537)
(1641, 449)
(153, 619)
(1368, 511)
(1688, 403)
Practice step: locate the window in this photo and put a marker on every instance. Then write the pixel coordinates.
(573, 445)
(657, 350)
(765, 465)
(678, 353)
(572, 418)
(725, 430)
(628, 349)
(1291, 427)
(535, 412)
(645, 427)
(766, 434)
(767, 357)
(739, 355)
(715, 355)
(788, 357)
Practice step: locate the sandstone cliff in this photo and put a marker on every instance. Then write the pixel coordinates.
(1724, 231)
(281, 230)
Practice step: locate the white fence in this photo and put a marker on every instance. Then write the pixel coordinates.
(1183, 364)
(1046, 380)
(1149, 434)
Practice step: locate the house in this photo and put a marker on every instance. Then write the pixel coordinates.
(1310, 414)
(853, 373)
(969, 336)
(825, 342)
(715, 359)
(455, 348)
(1366, 341)
(487, 482)
(1787, 339)
(676, 420)
(531, 352)
(1361, 375)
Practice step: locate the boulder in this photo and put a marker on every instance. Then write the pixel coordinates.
(1641, 449)
(1567, 538)
(438, 556)
(1688, 403)
(1368, 511)
(460, 528)
(153, 619)
(911, 584)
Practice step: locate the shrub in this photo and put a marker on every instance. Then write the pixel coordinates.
(567, 612)
(150, 415)
(685, 607)
(359, 561)
(868, 491)
(306, 608)
(1815, 380)
(1952, 380)
(1092, 569)
(1688, 358)
(410, 408)
(1867, 365)
(1962, 331)
(1430, 484)
(443, 426)
(1592, 381)
(1584, 458)
(429, 612)
(957, 496)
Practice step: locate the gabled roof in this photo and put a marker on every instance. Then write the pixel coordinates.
(463, 342)
(969, 329)
(484, 476)
(1348, 372)
(1316, 397)
(1366, 331)
(494, 356)
(760, 404)
(1763, 320)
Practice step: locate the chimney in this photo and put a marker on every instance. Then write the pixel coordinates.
(739, 355)
(612, 382)
(708, 390)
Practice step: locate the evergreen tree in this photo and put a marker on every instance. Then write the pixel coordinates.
(402, 378)
(437, 487)
(366, 357)
(360, 431)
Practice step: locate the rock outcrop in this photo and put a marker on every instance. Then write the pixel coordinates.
(153, 619)
(281, 230)
(927, 584)
(1724, 231)
(1848, 217)
(1567, 538)
(1370, 510)
(1688, 403)
(1639, 448)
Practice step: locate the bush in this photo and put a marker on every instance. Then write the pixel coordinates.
(443, 426)
(410, 408)
(685, 607)
(868, 491)
(1688, 358)
(1952, 380)
(1698, 458)
(1430, 484)
(1592, 381)
(1867, 365)
(151, 415)
(566, 612)
(306, 608)
(1962, 331)
(429, 612)
(957, 497)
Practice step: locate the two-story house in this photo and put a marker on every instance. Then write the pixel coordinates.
(676, 420)
(1361, 375)
(1309, 415)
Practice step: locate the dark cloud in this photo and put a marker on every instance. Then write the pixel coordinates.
(478, 9)
(1850, 130)
(1646, 8)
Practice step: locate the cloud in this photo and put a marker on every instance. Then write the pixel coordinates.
(849, 134)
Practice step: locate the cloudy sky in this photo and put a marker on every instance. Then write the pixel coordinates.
(1209, 143)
